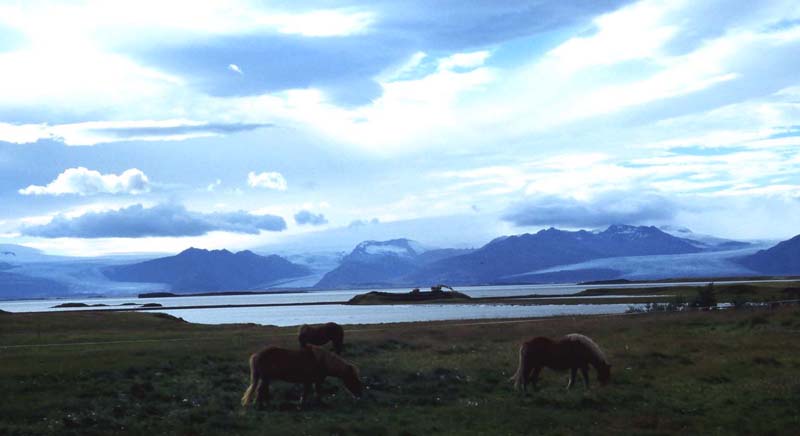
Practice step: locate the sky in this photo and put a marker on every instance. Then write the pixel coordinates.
(149, 126)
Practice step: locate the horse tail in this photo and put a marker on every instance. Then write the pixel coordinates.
(519, 377)
(255, 379)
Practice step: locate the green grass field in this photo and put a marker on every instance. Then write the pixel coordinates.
(109, 373)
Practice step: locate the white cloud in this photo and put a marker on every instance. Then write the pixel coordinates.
(73, 61)
(235, 68)
(23, 133)
(408, 109)
(123, 20)
(212, 186)
(268, 180)
(83, 181)
(637, 31)
(318, 23)
(464, 60)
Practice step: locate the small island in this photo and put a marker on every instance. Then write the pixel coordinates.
(436, 294)
(72, 305)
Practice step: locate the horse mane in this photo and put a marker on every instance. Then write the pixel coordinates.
(593, 347)
(331, 361)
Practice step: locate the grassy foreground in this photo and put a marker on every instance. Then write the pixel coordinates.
(698, 373)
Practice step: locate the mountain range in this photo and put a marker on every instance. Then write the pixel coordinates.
(548, 256)
(203, 270)
(396, 262)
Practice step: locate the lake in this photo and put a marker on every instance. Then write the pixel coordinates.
(345, 314)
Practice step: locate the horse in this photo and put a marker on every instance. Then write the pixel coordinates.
(573, 352)
(309, 365)
(320, 335)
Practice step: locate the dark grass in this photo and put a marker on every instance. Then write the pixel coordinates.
(752, 292)
(698, 373)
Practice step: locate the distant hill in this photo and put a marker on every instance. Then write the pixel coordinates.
(383, 263)
(513, 255)
(203, 270)
(782, 259)
(15, 286)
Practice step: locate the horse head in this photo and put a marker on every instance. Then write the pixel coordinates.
(338, 367)
(352, 381)
(603, 373)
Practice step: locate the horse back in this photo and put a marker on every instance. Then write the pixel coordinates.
(297, 366)
(577, 349)
(541, 351)
(320, 335)
(558, 355)
(335, 331)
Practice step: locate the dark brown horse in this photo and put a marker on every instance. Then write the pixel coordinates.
(309, 365)
(321, 335)
(571, 352)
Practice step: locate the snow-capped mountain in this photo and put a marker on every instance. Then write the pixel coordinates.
(383, 263)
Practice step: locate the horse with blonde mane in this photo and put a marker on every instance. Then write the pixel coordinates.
(309, 365)
(321, 335)
(573, 352)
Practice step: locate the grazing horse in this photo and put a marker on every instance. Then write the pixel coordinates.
(308, 366)
(320, 335)
(573, 352)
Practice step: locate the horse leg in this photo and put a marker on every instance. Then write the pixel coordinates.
(318, 391)
(262, 395)
(306, 393)
(534, 376)
(585, 374)
(573, 372)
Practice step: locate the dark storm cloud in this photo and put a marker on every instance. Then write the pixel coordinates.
(313, 219)
(162, 220)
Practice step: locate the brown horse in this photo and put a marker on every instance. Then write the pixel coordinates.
(308, 366)
(320, 335)
(573, 352)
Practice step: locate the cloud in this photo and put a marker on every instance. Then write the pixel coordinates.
(618, 207)
(235, 68)
(138, 221)
(321, 23)
(268, 180)
(360, 223)
(366, 44)
(98, 132)
(212, 186)
(306, 217)
(83, 181)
